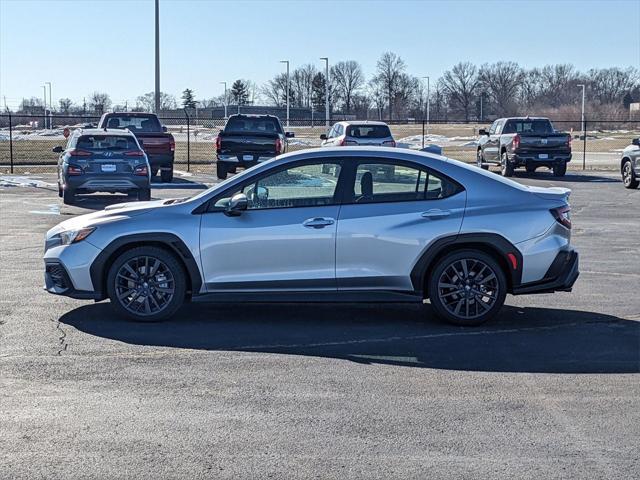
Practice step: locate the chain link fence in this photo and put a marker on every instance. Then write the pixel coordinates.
(26, 141)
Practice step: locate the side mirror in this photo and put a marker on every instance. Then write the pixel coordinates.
(482, 131)
(289, 134)
(636, 141)
(236, 205)
(323, 136)
(164, 128)
(57, 149)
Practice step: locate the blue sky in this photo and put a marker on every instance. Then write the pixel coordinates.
(86, 45)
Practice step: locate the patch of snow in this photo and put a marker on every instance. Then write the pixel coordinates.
(21, 181)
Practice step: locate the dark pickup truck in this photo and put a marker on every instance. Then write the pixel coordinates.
(247, 140)
(158, 144)
(529, 142)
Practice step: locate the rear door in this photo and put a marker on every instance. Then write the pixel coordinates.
(396, 210)
(492, 147)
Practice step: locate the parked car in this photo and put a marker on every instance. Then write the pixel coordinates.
(102, 160)
(285, 231)
(529, 142)
(344, 134)
(247, 140)
(158, 144)
(630, 164)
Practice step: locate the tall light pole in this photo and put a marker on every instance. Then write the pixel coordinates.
(44, 95)
(225, 99)
(428, 104)
(584, 133)
(287, 87)
(50, 102)
(326, 90)
(157, 92)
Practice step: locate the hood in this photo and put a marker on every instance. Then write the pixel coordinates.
(109, 214)
(551, 193)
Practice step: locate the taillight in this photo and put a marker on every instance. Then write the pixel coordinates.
(134, 153)
(389, 143)
(172, 145)
(516, 141)
(141, 170)
(278, 145)
(74, 170)
(218, 144)
(79, 153)
(562, 215)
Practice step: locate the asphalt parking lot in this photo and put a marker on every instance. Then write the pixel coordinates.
(549, 390)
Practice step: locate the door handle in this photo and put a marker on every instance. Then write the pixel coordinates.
(435, 213)
(318, 222)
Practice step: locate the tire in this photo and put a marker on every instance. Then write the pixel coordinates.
(144, 194)
(68, 197)
(459, 298)
(166, 175)
(59, 190)
(506, 167)
(629, 178)
(480, 160)
(531, 169)
(221, 171)
(559, 169)
(154, 171)
(135, 279)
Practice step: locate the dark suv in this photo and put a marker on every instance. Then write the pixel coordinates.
(103, 160)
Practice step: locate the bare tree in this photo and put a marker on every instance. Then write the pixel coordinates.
(390, 69)
(65, 105)
(100, 102)
(348, 78)
(530, 88)
(146, 102)
(460, 85)
(502, 81)
(275, 90)
(558, 84)
(610, 85)
(301, 83)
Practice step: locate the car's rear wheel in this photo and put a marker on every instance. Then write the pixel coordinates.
(467, 287)
(154, 171)
(480, 160)
(59, 190)
(221, 171)
(531, 169)
(68, 196)
(146, 284)
(506, 167)
(559, 169)
(144, 194)
(166, 175)
(629, 176)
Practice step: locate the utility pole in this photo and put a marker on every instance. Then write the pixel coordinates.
(584, 133)
(157, 92)
(225, 99)
(287, 62)
(326, 90)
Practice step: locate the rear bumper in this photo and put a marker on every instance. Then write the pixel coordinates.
(560, 276)
(242, 160)
(106, 183)
(524, 159)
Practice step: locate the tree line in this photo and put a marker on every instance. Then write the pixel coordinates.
(465, 92)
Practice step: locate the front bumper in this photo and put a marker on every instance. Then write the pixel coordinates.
(58, 282)
(560, 276)
(67, 269)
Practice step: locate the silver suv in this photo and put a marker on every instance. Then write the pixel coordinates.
(353, 134)
(286, 231)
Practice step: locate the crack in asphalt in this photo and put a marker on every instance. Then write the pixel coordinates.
(62, 338)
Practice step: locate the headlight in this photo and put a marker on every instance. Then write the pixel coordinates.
(73, 236)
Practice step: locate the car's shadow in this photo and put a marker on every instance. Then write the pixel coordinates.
(570, 177)
(519, 340)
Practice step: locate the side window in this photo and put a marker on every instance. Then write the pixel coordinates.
(331, 133)
(388, 182)
(499, 124)
(310, 185)
(492, 130)
(339, 130)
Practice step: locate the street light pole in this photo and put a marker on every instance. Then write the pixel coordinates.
(326, 90)
(50, 102)
(157, 92)
(428, 105)
(584, 133)
(44, 89)
(287, 87)
(225, 99)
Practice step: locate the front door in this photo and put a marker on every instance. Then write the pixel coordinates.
(284, 241)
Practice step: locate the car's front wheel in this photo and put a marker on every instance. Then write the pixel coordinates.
(480, 160)
(629, 176)
(467, 287)
(146, 284)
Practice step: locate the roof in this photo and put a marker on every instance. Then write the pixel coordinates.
(524, 118)
(104, 131)
(362, 122)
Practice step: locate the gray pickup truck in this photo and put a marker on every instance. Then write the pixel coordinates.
(529, 142)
